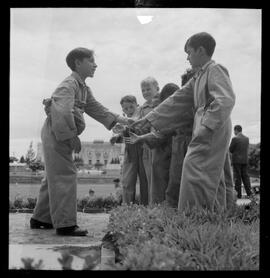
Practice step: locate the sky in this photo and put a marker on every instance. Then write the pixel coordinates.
(126, 52)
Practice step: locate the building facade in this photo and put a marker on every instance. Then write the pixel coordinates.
(96, 152)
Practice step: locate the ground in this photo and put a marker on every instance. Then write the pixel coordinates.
(46, 245)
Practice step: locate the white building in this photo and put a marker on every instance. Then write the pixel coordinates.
(94, 152)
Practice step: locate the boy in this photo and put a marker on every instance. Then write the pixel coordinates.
(118, 191)
(180, 144)
(56, 206)
(213, 101)
(161, 146)
(133, 163)
(150, 92)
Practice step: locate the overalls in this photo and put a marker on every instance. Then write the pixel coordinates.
(57, 200)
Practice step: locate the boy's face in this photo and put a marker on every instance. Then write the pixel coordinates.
(149, 90)
(86, 67)
(194, 56)
(129, 108)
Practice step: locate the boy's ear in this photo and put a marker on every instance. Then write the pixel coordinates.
(201, 50)
(77, 62)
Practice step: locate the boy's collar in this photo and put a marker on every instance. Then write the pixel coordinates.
(201, 69)
(78, 78)
(206, 64)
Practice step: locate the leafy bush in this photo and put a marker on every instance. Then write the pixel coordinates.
(31, 203)
(161, 238)
(254, 157)
(19, 203)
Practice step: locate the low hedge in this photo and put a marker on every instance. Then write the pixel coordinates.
(107, 203)
(161, 238)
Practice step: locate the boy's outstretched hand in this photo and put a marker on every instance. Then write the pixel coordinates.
(141, 126)
(132, 139)
(124, 120)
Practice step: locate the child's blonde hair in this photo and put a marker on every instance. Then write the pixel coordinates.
(150, 80)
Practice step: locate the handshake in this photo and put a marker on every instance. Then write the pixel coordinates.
(130, 131)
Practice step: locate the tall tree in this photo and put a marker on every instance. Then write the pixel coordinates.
(22, 160)
(30, 155)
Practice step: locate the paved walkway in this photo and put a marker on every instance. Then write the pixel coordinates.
(45, 245)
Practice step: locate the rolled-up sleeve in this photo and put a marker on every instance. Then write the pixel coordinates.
(63, 124)
(98, 112)
(220, 88)
(176, 111)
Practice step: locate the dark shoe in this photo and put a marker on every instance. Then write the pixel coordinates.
(71, 231)
(35, 224)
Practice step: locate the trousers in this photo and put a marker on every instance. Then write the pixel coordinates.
(57, 199)
(240, 174)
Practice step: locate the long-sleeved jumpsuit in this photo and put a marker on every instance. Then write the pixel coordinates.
(57, 200)
(204, 162)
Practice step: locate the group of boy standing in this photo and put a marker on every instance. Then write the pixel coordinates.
(177, 141)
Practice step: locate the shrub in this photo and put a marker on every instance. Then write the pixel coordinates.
(31, 203)
(19, 203)
(161, 238)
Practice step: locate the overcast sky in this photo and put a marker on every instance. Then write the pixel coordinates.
(126, 52)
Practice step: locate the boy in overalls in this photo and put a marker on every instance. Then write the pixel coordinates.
(57, 201)
(150, 92)
(214, 100)
(133, 156)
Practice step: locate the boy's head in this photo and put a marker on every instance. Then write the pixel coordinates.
(168, 90)
(129, 105)
(149, 87)
(237, 129)
(82, 61)
(200, 48)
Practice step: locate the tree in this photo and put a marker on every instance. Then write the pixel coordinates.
(254, 157)
(22, 160)
(30, 155)
(36, 165)
(12, 159)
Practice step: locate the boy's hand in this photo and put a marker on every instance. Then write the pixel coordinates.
(122, 120)
(134, 138)
(118, 128)
(75, 144)
(141, 126)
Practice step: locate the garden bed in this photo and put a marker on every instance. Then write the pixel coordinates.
(160, 238)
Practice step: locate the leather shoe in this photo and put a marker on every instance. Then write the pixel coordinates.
(35, 224)
(71, 231)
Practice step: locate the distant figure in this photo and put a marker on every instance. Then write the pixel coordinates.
(91, 193)
(239, 150)
(118, 191)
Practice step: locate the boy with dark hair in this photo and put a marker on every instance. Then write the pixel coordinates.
(214, 99)
(133, 156)
(180, 142)
(57, 202)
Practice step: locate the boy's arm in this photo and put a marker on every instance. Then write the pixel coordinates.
(174, 112)
(63, 124)
(100, 113)
(220, 88)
